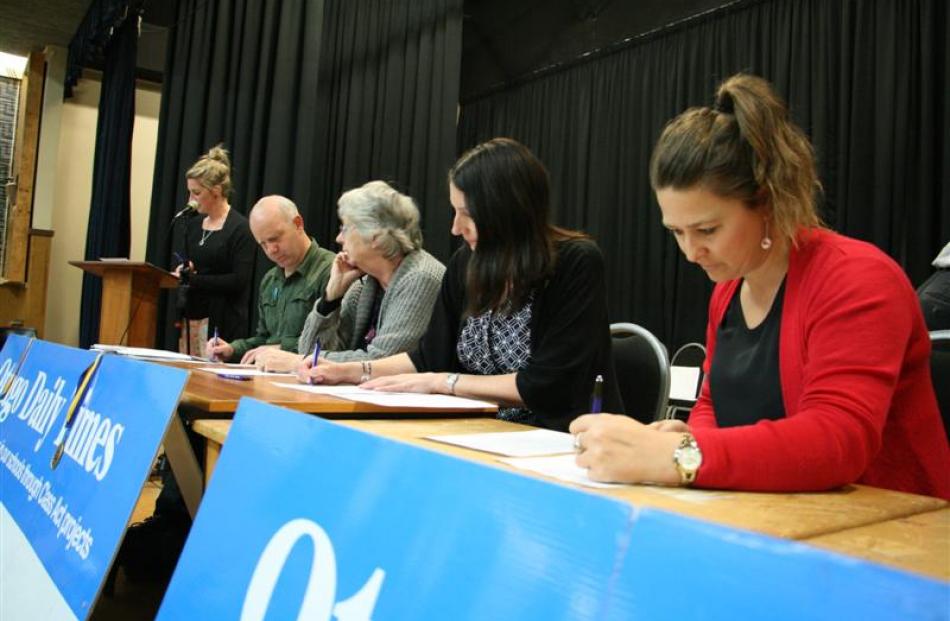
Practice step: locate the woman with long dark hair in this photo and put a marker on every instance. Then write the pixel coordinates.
(521, 317)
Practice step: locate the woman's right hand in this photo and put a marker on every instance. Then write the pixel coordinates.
(177, 271)
(342, 275)
(326, 372)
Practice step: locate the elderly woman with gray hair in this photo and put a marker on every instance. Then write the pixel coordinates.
(382, 286)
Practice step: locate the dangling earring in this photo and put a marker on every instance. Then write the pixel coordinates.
(766, 242)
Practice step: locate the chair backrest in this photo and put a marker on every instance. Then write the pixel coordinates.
(686, 366)
(940, 373)
(642, 371)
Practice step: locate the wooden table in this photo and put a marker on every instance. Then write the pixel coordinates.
(918, 543)
(208, 395)
(791, 516)
(214, 395)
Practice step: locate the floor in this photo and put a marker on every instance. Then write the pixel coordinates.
(133, 601)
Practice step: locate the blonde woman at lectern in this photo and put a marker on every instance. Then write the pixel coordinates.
(215, 256)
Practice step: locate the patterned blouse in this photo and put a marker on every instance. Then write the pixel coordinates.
(496, 343)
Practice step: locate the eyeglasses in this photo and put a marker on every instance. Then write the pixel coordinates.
(344, 229)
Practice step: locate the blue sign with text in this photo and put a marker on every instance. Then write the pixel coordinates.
(78, 434)
(307, 519)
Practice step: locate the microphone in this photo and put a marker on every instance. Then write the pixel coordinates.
(190, 207)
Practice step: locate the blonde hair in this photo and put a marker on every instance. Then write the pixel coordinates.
(745, 147)
(213, 168)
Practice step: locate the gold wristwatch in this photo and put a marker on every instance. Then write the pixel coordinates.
(687, 458)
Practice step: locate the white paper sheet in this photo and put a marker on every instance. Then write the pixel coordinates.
(513, 443)
(392, 399)
(684, 383)
(561, 467)
(143, 352)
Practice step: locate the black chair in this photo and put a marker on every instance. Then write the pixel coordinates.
(642, 371)
(691, 356)
(940, 373)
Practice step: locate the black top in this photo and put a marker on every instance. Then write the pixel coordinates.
(221, 287)
(744, 379)
(570, 335)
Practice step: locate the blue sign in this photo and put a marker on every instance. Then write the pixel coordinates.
(78, 434)
(682, 568)
(307, 519)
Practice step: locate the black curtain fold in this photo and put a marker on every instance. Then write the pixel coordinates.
(312, 97)
(388, 100)
(109, 231)
(865, 79)
(92, 38)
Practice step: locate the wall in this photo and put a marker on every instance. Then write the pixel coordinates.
(73, 192)
(44, 189)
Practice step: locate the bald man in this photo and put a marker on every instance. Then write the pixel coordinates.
(289, 289)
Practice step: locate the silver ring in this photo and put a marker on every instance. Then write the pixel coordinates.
(577, 442)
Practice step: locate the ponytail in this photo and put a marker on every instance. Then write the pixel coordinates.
(744, 147)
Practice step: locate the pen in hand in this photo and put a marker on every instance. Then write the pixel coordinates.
(597, 397)
(316, 354)
(214, 357)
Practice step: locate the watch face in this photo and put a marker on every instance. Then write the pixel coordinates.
(689, 458)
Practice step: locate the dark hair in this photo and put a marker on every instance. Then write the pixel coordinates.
(507, 193)
(745, 147)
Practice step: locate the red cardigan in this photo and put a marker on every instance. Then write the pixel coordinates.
(855, 374)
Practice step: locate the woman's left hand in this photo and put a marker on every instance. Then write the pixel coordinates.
(619, 449)
(408, 382)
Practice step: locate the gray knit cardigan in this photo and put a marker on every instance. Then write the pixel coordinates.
(403, 315)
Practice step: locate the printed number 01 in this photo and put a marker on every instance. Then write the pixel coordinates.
(318, 599)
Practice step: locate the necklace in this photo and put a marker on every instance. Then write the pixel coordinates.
(205, 234)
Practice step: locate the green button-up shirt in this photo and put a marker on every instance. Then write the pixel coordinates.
(285, 301)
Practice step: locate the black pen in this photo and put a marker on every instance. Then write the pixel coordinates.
(597, 397)
(234, 376)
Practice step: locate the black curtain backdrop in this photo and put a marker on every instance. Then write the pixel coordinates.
(109, 211)
(241, 72)
(311, 98)
(866, 80)
(92, 38)
(389, 84)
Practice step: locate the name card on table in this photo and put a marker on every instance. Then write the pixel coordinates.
(306, 519)
(78, 434)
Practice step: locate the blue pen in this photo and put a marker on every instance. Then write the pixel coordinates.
(242, 378)
(597, 398)
(316, 354)
(179, 258)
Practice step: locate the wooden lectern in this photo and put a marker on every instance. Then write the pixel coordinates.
(129, 299)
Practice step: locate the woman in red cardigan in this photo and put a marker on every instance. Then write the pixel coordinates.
(817, 371)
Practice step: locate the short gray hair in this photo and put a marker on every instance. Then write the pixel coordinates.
(377, 209)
